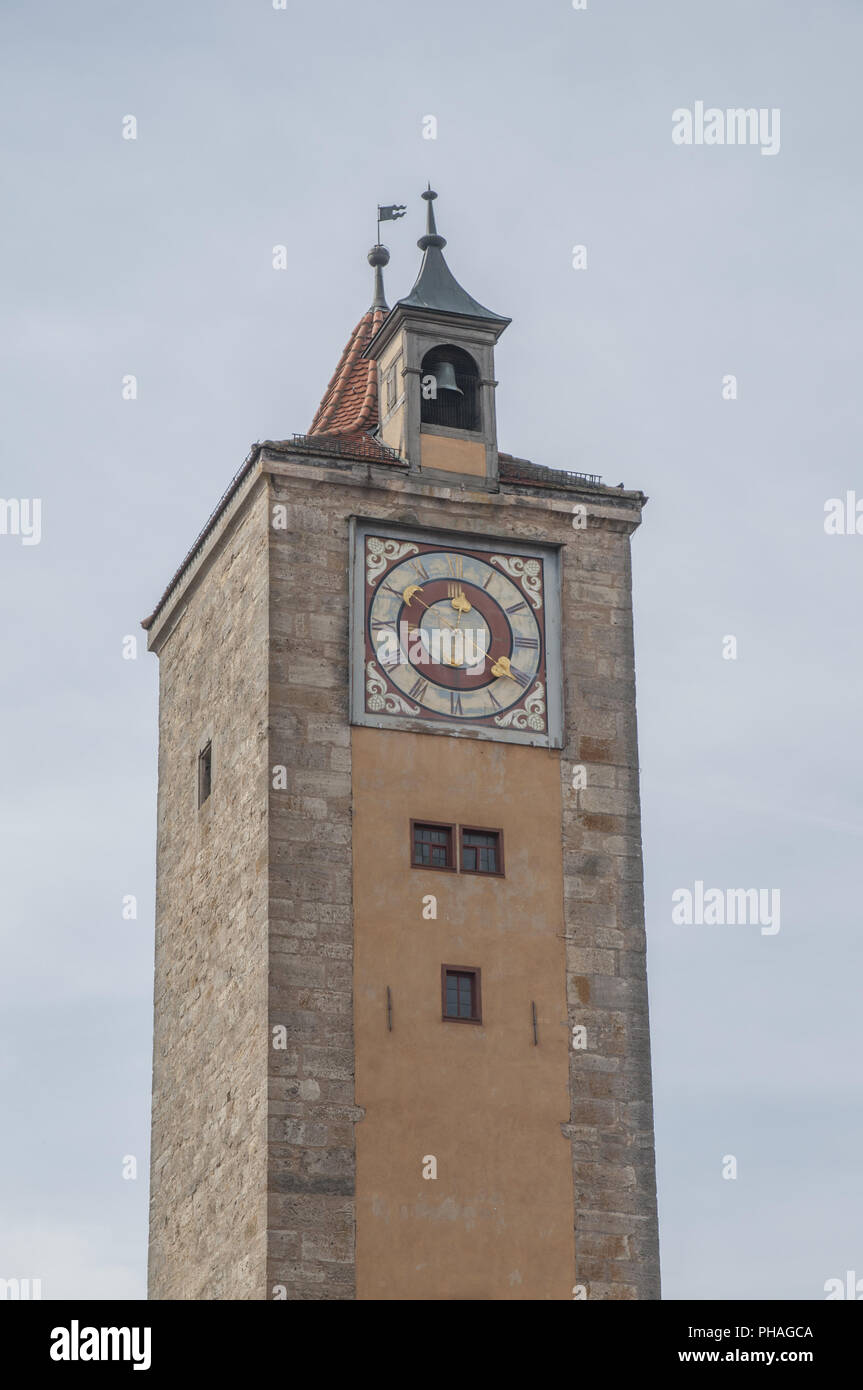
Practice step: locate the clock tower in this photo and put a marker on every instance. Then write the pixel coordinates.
(401, 1026)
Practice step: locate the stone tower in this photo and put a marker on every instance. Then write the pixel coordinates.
(401, 1025)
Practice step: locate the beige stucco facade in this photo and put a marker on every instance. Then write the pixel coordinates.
(463, 456)
(485, 1101)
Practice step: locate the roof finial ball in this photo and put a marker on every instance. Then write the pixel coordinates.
(431, 237)
(378, 257)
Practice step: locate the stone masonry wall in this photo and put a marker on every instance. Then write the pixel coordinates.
(208, 1166)
(611, 1129)
(311, 1085)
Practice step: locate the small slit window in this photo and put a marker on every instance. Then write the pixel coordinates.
(481, 851)
(460, 990)
(432, 845)
(205, 773)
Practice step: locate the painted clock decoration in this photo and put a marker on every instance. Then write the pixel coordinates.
(453, 635)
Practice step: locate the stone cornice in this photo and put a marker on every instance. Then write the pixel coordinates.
(614, 508)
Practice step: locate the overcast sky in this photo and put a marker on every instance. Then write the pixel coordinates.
(259, 127)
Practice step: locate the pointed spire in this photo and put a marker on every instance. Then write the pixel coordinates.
(431, 237)
(379, 256)
(436, 287)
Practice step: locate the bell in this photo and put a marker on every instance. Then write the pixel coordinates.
(445, 374)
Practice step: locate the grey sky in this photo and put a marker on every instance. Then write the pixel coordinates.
(259, 127)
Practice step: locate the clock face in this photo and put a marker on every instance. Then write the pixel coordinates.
(453, 635)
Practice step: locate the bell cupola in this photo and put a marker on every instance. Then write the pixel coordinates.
(435, 373)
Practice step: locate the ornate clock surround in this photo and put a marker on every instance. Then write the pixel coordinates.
(411, 589)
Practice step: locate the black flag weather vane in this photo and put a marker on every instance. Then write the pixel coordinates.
(390, 213)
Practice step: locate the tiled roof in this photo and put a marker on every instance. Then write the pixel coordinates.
(515, 470)
(349, 408)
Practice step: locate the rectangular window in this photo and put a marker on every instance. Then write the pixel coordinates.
(205, 773)
(392, 383)
(461, 1000)
(481, 851)
(432, 845)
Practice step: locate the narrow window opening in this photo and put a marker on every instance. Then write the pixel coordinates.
(205, 773)
(392, 383)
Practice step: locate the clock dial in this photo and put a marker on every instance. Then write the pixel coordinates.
(454, 635)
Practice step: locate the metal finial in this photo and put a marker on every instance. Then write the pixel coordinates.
(431, 237)
(379, 256)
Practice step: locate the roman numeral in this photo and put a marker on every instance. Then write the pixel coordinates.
(491, 696)
(491, 575)
(419, 570)
(524, 642)
(455, 703)
(418, 689)
(382, 625)
(455, 565)
(390, 590)
(519, 676)
(517, 607)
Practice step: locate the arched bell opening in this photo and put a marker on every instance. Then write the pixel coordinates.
(449, 386)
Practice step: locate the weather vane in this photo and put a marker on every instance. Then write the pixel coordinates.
(389, 214)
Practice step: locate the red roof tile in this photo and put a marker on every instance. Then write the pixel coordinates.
(349, 408)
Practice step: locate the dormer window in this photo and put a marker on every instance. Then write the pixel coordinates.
(449, 385)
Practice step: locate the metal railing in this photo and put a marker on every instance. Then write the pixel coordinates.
(538, 473)
(334, 447)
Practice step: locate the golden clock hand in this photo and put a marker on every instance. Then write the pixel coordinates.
(462, 605)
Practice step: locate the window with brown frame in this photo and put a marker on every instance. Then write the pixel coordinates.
(481, 851)
(461, 996)
(432, 845)
(205, 773)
